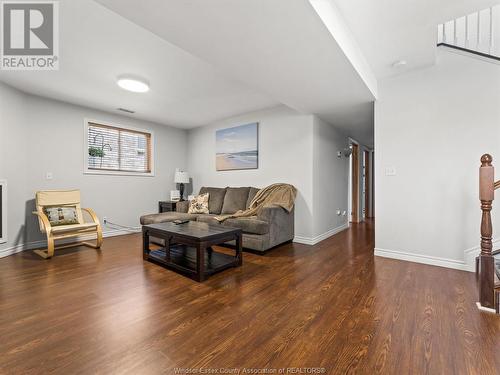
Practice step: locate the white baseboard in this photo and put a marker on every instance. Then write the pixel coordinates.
(321, 237)
(487, 309)
(424, 259)
(43, 243)
(471, 254)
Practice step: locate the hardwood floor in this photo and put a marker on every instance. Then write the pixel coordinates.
(331, 306)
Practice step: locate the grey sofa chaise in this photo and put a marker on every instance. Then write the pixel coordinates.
(273, 226)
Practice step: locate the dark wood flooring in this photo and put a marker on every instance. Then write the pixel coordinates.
(331, 306)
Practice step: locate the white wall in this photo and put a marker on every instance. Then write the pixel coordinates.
(47, 136)
(293, 148)
(13, 158)
(285, 155)
(330, 182)
(433, 126)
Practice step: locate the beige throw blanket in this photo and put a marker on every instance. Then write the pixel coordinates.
(282, 195)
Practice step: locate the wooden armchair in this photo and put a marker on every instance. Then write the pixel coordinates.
(51, 207)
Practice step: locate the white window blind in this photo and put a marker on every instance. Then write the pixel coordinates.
(117, 149)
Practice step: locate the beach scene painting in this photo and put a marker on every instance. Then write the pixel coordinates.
(237, 148)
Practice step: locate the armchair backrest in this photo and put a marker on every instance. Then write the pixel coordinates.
(51, 198)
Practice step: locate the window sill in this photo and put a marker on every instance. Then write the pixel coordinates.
(118, 173)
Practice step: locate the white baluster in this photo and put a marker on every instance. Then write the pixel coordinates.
(491, 31)
(466, 31)
(455, 33)
(455, 41)
(478, 29)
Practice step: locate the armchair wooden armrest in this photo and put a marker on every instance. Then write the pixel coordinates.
(45, 221)
(95, 219)
(93, 215)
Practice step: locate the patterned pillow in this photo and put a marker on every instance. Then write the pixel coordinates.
(64, 215)
(199, 204)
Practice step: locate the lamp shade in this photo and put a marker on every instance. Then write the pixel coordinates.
(181, 177)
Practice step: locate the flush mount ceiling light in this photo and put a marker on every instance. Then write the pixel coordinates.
(399, 64)
(134, 84)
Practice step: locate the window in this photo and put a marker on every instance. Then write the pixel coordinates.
(116, 150)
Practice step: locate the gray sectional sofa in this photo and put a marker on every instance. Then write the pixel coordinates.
(273, 226)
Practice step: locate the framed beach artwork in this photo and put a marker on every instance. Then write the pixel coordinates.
(237, 148)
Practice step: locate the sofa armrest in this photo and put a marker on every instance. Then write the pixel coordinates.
(182, 206)
(281, 223)
(268, 213)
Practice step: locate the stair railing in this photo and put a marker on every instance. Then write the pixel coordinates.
(476, 33)
(486, 265)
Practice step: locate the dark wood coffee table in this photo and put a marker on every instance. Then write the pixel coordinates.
(188, 248)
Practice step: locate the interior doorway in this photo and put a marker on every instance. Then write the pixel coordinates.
(361, 183)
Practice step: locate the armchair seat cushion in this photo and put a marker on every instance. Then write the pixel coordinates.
(74, 227)
(167, 217)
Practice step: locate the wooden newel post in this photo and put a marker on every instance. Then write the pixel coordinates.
(486, 261)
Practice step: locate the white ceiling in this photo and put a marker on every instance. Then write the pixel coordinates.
(279, 47)
(391, 30)
(206, 60)
(97, 45)
(209, 60)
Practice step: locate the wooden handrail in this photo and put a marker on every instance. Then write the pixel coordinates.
(496, 185)
(487, 186)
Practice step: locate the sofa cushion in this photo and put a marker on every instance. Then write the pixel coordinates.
(216, 198)
(246, 224)
(251, 194)
(235, 200)
(166, 217)
(209, 219)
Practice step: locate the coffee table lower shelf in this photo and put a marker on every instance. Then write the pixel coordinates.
(183, 259)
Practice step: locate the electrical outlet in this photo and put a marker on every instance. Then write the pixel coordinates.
(390, 171)
(105, 220)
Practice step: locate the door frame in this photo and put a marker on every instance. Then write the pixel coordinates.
(354, 179)
(366, 183)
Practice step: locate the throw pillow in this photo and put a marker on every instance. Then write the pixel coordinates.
(199, 204)
(65, 215)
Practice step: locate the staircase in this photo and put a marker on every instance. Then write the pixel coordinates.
(477, 33)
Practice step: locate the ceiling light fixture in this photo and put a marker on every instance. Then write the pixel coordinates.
(134, 84)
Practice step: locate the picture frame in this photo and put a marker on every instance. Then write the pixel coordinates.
(237, 148)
